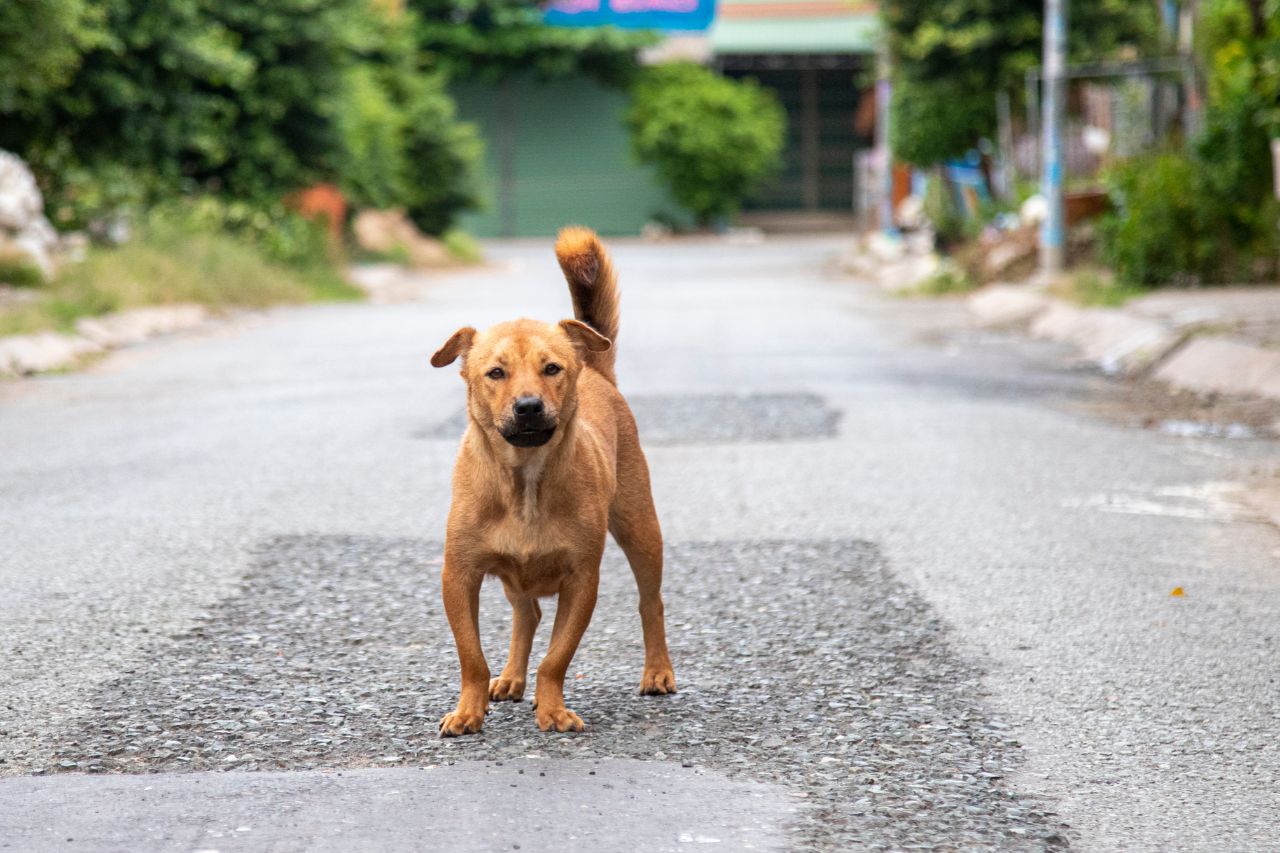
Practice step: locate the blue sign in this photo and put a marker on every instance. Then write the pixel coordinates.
(683, 15)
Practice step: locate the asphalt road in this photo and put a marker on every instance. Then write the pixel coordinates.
(919, 590)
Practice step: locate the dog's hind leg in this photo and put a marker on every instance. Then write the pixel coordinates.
(525, 616)
(633, 521)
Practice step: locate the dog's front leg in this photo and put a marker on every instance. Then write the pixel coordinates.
(460, 584)
(573, 615)
(525, 616)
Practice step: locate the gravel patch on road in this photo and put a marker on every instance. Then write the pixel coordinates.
(671, 419)
(801, 663)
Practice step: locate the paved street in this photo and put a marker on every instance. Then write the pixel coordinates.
(918, 590)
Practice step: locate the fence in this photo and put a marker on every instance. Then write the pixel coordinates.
(1114, 111)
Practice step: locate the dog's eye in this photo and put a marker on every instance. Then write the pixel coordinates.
(552, 369)
(496, 373)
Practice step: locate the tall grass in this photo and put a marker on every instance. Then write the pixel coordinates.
(166, 266)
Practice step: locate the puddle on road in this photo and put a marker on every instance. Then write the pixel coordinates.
(1214, 501)
(1205, 429)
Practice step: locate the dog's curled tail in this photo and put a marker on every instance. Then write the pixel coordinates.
(593, 285)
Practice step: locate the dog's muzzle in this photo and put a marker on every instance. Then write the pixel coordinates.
(530, 424)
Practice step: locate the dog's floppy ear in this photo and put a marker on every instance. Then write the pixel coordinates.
(584, 336)
(457, 345)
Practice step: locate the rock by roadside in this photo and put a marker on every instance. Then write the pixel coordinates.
(895, 266)
(1264, 498)
(25, 234)
(128, 328)
(22, 355)
(392, 231)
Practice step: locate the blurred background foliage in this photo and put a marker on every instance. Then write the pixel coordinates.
(174, 133)
(488, 39)
(152, 98)
(712, 140)
(120, 105)
(950, 57)
(1206, 213)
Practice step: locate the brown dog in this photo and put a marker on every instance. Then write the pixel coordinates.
(550, 461)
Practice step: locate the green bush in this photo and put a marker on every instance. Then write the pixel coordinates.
(280, 234)
(950, 226)
(1209, 216)
(950, 57)
(1172, 227)
(462, 246)
(235, 98)
(41, 46)
(16, 270)
(402, 143)
(1163, 229)
(488, 40)
(916, 133)
(711, 139)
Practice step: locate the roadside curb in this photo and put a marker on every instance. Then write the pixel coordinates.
(1222, 365)
(23, 355)
(1110, 338)
(1007, 305)
(1265, 499)
(1125, 342)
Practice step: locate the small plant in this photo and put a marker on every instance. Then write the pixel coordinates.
(17, 271)
(949, 280)
(397, 254)
(950, 226)
(712, 140)
(168, 263)
(1172, 226)
(1097, 287)
(462, 246)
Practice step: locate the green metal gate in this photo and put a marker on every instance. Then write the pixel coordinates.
(556, 152)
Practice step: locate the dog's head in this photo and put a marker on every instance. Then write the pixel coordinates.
(522, 376)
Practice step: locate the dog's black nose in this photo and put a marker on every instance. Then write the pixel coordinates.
(528, 407)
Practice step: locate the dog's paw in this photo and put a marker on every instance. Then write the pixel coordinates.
(504, 689)
(559, 720)
(460, 723)
(657, 681)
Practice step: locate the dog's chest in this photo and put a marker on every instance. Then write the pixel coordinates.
(539, 575)
(523, 540)
(531, 550)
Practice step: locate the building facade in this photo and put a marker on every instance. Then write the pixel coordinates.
(557, 151)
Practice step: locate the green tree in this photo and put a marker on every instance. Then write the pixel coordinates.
(1207, 215)
(489, 39)
(711, 139)
(246, 99)
(403, 144)
(42, 43)
(950, 57)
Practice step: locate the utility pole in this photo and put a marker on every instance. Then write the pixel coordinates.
(1053, 229)
(1169, 11)
(884, 96)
